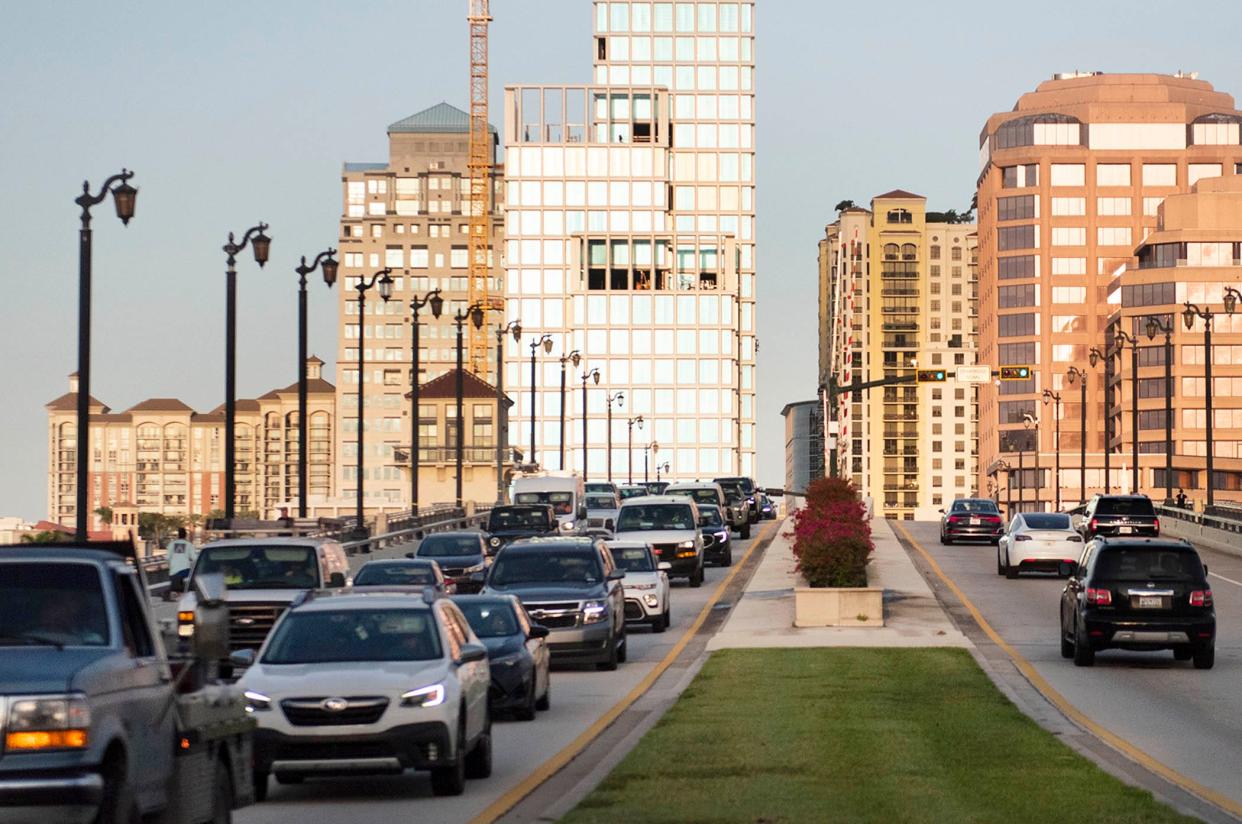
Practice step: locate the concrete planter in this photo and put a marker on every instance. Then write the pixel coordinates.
(843, 607)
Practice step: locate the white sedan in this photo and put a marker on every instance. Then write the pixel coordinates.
(1037, 541)
(646, 584)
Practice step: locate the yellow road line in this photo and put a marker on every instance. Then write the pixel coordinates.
(553, 765)
(1069, 710)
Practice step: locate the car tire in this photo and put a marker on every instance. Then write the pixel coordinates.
(609, 664)
(623, 654)
(1183, 653)
(1205, 657)
(1000, 568)
(1011, 570)
(696, 578)
(479, 761)
(1067, 645)
(451, 780)
(668, 616)
(728, 557)
(658, 624)
(946, 540)
(222, 795)
(259, 777)
(1084, 656)
(745, 530)
(526, 712)
(119, 804)
(545, 701)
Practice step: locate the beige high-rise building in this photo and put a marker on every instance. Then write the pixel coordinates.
(411, 214)
(898, 296)
(1071, 180)
(161, 456)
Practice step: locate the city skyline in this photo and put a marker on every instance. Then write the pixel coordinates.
(263, 137)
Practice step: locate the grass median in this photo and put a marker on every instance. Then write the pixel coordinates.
(857, 735)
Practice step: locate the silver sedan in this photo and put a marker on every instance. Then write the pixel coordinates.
(1037, 542)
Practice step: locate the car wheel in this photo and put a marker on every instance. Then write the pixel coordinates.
(728, 558)
(222, 796)
(545, 701)
(696, 578)
(946, 540)
(1205, 657)
(451, 780)
(1000, 568)
(1011, 570)
(1183, 653)
(118, 806)
(526, 712)
(658, 623)
(668, 616)
(1067, 645)
(1084, 656)
(610, 663)
(260, 785)
(623, 653)
(745, 530)
(479, 761)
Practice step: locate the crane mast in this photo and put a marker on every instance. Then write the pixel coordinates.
(480, 168)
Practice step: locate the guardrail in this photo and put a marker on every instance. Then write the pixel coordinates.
(416, 526)
(1225, 523)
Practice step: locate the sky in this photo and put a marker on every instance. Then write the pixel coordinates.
(232, 112)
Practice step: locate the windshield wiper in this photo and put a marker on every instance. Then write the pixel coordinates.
(32, 640)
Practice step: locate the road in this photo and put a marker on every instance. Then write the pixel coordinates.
(579, 697)
(1187, 719)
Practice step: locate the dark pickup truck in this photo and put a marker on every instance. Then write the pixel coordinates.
(506, 524)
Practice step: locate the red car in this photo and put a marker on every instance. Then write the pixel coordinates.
(971, 519)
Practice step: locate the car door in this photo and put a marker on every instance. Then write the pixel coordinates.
(537, 647)
(616, 590)
(475, 676)
(1072, 594)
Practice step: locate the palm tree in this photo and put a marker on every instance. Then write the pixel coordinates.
(105, 514)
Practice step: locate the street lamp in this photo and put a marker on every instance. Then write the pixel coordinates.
(1095, 356)
(1120, 339)
(574, 357)
(502, 412)
(1008, 470)
(619, 399)
(546, 342)
(325, 261)
(663, 466)
(592, 375)
(123, 197)
(629, 452)
(384, 282)
(257, 238)
(1075, 374)
(1055, 398)
(475, 312)
(434, 299)
(1154, 326)
(1192, 311)
(654, 448)
(1032, 423)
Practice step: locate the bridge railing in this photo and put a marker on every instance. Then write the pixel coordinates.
(415, 526)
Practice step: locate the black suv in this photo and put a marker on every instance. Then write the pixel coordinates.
(512, 523)
(1119, 515)
(573, 587)
(746, 486)
(1138, 594)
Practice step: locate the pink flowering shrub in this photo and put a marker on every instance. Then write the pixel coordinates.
(832, 541)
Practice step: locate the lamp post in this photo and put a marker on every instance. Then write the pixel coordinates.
(328, 264)
(573, 357)
(436, 302)
(384, 282)
(502, 413)
(619, 399)
(257, 238)
(663, 466)
(629, 452)
(546, 342)
(123, 197)
(1154, 325)
(1032, 423)
(1192, 311)
(1120, 339)
(1004, 465)
(654, 448)
(1075, 374)
(1055, 398)
(592, 375)
(1095, 356)
(475, 313)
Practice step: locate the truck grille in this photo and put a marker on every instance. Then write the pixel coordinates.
(249, 624)
(555, 615)
(665, 551)
(315, 712)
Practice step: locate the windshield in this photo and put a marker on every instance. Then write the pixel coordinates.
(633, 492)
(598, 487)
(545, 567)
(1148, 564)
(449, 546)
(562, 502)
(262, 567)
(1047, 520)
(975, 505)
(1125, 506)
(745, 485)
(654, 516)
(490, 619)
(656, 487)
(601, 502)
(710, 517)
(397, 575)
(702, 496)
(51, 603)
(354, 635)
(518, 517)
(633, 559)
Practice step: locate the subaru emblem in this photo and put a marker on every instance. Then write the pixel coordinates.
(334, 704)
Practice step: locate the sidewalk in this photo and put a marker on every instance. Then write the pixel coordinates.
(763, 616)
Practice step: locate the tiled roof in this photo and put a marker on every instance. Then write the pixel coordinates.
(160, 405)
(313, 386)
(440, 118)
(243, 405)
(899, 194)
(445, 386)
(69, 402)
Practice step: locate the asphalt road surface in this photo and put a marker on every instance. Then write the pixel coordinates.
(580, 695)
(1188, 719)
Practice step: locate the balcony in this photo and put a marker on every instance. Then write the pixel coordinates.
(901, 326)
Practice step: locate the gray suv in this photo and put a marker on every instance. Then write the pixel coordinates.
(571, 586)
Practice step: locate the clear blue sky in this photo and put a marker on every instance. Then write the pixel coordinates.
(234, 112)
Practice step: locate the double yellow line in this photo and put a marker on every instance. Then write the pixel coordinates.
(1061, 703)
(571, 751)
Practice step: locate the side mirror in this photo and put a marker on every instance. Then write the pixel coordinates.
(1067, 568)
(941, 511)
(609, 525)
(411, 554)
(1205, 571)
(242, 658)
(537, 631)
(336, 579)
(471, 653)
(616, 575)
(210, 588)
(664, 566)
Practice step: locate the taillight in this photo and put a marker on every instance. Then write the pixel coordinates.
(1100, 597)
(1094, 525)
(1156, 524)
(1201, 598)
(992, 519)
(954, 519)
(1022, 537)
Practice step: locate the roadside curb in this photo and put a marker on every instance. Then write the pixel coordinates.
(1107, 750)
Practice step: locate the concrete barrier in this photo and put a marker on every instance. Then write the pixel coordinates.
(1218, 539)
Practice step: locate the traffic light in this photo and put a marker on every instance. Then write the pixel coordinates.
(931, 376)
(1015, 373)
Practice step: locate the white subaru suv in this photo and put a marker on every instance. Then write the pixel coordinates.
(646, 584)
(375, 681)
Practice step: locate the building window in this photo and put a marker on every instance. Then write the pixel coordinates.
(1020, 207)
(1025, 266)
(1017, 237)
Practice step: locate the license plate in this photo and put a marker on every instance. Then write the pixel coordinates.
(1125, 530)
(974, 521)
(1150, 602)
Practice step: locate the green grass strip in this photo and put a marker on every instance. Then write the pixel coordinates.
(855, 735)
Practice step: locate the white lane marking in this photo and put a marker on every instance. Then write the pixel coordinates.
(1223, 578)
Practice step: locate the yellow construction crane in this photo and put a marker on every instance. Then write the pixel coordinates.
(480, 167)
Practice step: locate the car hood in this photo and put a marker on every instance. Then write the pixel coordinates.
(48, 669)
(632, 579)
(547, 592)
(658, 536)
(504, 645)
(455, 561)
(344, 679)
(246, 596)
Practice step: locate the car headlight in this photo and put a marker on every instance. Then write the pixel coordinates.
(256, 701)
(567, 526)
(641, 586)
(432, 696)
(475, 568)
(686, 545)
(185, 623)
(722, 536)
(651, 600)
(594, 611)
(493, 541)
(48, 722)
